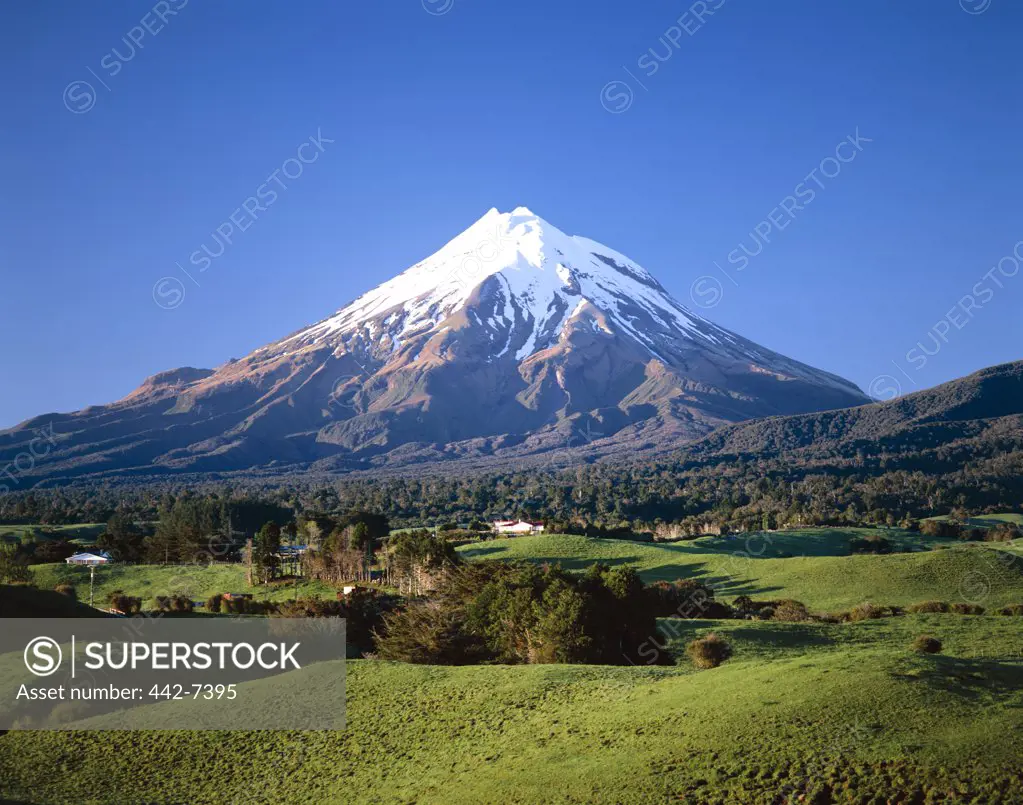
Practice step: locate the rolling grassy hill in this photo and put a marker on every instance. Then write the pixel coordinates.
(82, 534)
(976, 573)
(986, 520)
(843, 713)
(807, 564)
(826, 712)
(148, 581)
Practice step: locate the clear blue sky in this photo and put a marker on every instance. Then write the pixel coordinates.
(437, 117)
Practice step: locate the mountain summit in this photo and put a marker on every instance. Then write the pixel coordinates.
(513, 339)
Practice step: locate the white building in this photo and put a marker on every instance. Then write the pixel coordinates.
(518, 527)
(92, 559)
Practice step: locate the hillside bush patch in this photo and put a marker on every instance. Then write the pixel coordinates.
(929, 606)
(867, 611)
(708, 651)
(925, 644)
(789, 610)
(68, 590)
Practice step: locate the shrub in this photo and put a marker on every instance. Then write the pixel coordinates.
(744, 607)
(872, 543)
(866, 611)
(1012, 609)
(709, 651)
(940, 529)
(213, 602)
(125, 604)
(929, 606)
(310, 608)
(428, 633)
(925, 644)
(45, 551)
(68, 590)
(789, 610)
(174, 603)
(685, 599)
(967, 609)
(13, 571)
(182, 603)
(717, 610)
(1003, 532)
(246, 606)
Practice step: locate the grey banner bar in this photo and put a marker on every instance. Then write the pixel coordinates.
(193, 673)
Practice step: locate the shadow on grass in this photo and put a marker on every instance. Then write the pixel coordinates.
(968, 678)
(765, 638)
(476, 553)
(723, 585)
(784, 635)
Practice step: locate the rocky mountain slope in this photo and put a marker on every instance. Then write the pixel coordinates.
(512, 340)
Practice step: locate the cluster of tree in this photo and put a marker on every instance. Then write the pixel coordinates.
(524, 613)
(264, 554)
(343, 548)
(44, 551)
(12, 571)
(665, 500)
(192, 529)
(955, 529)
(123, 539)
(873, 465)
(685, 598)
(363, 611)
(196, 528)
(414, 560)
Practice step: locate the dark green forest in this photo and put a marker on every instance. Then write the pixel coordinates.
(956, 448)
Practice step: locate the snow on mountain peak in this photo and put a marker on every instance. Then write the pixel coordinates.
(538, 269)
(523, 283)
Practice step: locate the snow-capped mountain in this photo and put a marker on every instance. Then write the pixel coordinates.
(512, 339)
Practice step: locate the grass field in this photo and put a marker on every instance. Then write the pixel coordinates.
(843, 713)
(976, 573)
(82, 534)
(803, 712)
(814, 541)
(986, 574)
(149, 581)
(986, 520)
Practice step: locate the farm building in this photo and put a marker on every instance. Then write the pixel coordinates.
(518, 527)
(89, 559)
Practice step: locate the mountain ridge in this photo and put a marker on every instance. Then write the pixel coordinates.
(512, 339)
(982, 402)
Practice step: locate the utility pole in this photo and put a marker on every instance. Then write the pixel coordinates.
(92, 582)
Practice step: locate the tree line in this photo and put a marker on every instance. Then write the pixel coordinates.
(896, 484)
